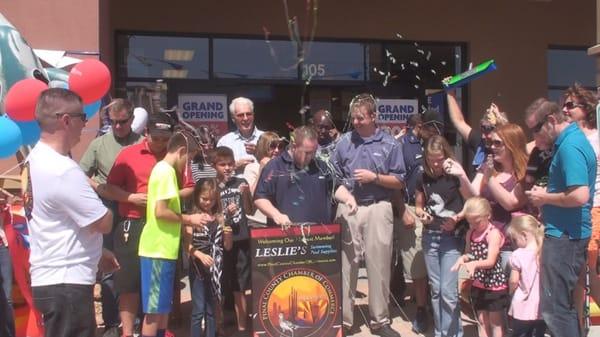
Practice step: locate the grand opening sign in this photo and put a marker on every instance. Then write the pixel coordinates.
(296, 281)
(392, 114)
(205, 110)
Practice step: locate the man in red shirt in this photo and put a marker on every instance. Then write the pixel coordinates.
(127, 183)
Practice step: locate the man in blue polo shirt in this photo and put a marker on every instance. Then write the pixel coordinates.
(297, 187)
(565, 207)
(370, 162)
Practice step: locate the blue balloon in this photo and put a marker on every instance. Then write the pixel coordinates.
(30, 132)
(10, 137)
(92, 108)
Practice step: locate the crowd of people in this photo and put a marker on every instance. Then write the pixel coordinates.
(519, 222)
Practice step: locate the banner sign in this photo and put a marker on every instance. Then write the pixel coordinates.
(392, 114)
(296, 281)
(205, 109)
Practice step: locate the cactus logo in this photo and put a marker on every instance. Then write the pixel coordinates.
(299, 302)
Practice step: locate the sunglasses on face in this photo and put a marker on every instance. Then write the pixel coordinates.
(80, 115)
(570, 105)
(487, 128)
(120, 122)
(497, 143)
(277, 145)
(538, 127)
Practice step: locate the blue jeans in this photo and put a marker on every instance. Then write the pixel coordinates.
(441, 252)
(203, 304)
(6, 309)
(562, 262)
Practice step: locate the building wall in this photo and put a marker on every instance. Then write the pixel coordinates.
(516, 33)
(60, 25)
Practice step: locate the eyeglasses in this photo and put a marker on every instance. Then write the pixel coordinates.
(80, 115)
(487, 128)
(570, 105)
(497, 143)
(538, 127)
(120, 122)
(277, 145)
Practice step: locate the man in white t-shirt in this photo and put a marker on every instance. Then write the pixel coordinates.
(243, 140)
(68, 221)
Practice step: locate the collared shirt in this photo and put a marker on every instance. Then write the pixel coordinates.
(573, 164)
(380, 153)
(235, 141)
(302, 195)
(102, 152)
(412, 152)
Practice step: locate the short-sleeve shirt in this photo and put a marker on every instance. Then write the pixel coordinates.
(131, 172)
(235, 142)
(526, 299)
(573, 164)
(160, 238)
(63, 248)
(412, 153)
(102, 152)
(442, 198)
(230, 193)
(302, 195)
(380, 153)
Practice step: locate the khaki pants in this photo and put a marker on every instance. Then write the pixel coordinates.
(368, 234)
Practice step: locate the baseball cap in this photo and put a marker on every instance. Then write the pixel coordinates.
(432, 116)
(160, 121)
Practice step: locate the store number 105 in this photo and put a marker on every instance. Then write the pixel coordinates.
(313, 70)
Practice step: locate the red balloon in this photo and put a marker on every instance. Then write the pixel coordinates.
(21, 99)
(90, 79)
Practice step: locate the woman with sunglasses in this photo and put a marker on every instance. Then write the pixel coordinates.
(269, 145)
(501, 179)
(580, 105)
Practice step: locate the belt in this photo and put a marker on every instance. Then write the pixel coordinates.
(368, 202)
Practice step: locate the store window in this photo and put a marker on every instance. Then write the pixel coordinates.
(336, 61)
(144, 56)
(567, 66)
(255, 59)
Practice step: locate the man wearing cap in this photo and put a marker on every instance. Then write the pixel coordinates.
(96, 162)
(243, 140)
(127, 183)
(408, 227)
(370, 164)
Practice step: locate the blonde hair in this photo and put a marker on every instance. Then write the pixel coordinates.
(264, 144)
(526, 223)
(436, 145)
(477, 206)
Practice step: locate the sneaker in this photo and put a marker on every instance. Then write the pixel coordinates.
(350, 330)
(419, 324)
(385, 331)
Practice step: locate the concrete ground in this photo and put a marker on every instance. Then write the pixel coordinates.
(401, 316)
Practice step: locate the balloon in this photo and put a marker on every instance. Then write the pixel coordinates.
(10, 137)
(90, 79)
(21, 98)
(30, 132)
(140, 119)
(92, 108)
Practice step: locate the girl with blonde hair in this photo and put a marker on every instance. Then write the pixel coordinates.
(524, 283)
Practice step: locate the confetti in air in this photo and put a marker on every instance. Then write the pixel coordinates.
(416, 44)
(402, 66)
(433, 71)
(398, 35)
(428, 55)
(418, 77)
(421, 51)
(443, 63)
(414, 64)
(416, 86)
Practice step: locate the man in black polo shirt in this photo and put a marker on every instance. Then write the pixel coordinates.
(297, 187)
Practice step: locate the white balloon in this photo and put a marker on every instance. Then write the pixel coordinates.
(140, 119)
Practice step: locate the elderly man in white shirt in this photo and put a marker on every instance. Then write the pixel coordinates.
(243, 140)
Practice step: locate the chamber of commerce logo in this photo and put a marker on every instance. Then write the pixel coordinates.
(299, 302)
